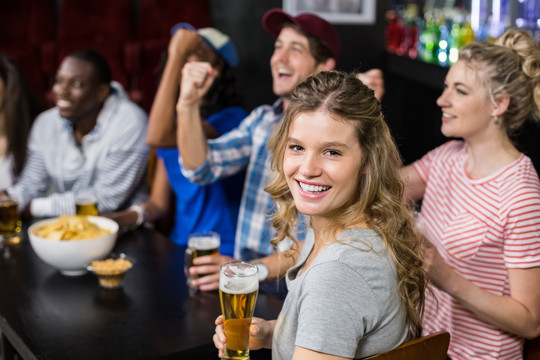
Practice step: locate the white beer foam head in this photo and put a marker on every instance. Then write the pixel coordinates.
(203, 242)
(240, 282)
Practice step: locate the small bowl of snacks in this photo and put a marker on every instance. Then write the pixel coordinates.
(111, 271)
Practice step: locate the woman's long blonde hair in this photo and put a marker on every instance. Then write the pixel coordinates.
(379, 197)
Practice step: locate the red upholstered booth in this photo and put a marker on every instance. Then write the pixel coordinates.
(28, 33)
(156, 18)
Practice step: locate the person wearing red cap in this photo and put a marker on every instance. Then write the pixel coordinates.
(305, 44)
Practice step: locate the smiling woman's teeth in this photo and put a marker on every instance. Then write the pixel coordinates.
(313, 188)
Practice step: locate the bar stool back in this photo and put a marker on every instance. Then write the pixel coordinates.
(430, 347)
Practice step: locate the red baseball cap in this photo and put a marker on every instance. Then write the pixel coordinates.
(311, 24)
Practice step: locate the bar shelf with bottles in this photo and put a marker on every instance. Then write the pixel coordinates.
(434, 31)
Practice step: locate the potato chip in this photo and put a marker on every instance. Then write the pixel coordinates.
(71, 227)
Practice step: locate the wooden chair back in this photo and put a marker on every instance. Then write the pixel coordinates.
(430, 347)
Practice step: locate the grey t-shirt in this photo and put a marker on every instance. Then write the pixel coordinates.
(345, 304)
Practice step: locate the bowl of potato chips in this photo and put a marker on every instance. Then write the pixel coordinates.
(70, 242)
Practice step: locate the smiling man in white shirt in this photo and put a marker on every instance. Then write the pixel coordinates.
(92, 143)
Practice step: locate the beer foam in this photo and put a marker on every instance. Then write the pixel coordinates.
(204, 243)
(239, 285)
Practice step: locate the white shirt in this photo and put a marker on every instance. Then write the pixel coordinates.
(6, 172)
(109, 164)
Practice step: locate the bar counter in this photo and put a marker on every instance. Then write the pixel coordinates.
(47, 315)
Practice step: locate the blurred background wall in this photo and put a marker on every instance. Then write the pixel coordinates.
(133, 35)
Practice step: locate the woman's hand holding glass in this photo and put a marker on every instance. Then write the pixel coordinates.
(260, 334)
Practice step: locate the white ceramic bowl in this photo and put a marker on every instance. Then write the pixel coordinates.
(72, 257)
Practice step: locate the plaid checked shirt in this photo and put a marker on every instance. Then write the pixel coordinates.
(229, 154)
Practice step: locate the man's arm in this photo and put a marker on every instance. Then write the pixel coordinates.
(35, 179)
(196, 79)
(161, 125)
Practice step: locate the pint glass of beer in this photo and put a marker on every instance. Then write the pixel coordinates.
(199, 244)
(238, 289)
(86, 205)
(10, 221)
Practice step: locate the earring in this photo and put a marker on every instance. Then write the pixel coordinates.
(496, 120)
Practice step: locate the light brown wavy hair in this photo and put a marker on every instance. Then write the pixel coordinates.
(510, 66)
(378, 199)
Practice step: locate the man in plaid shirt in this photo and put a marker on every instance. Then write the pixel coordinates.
(304, 45)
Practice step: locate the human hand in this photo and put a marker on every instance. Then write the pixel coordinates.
(207, 266)
(374, 80)
(260, 334)
(219, 336)
(184, 42)
(197, 77)
(123, 218)
(439, 272)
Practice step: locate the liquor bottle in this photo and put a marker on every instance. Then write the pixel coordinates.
(454, 42)
(442, 47)
(430, 40)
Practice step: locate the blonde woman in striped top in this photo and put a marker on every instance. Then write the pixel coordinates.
(481, 203)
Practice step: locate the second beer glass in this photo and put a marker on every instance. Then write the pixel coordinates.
(238, 290)
(86, 205)
(199, 244)
(10, 222)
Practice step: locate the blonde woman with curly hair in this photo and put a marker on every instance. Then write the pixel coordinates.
(481, 203)
(357, 288)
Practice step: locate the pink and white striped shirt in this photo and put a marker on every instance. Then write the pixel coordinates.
(481, 227)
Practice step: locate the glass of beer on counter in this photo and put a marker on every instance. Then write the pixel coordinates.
(199, 244)
(238, 290)
(86, 205)
(10, 221)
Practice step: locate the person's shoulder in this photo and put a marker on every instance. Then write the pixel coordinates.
(450, 147)
(48, 119)
(521, 175)
(352, 248)
(236, 111)
(226, 119)
(276, 109)
(124, 104)
(261, 116)
(445, 152)
(262, 110)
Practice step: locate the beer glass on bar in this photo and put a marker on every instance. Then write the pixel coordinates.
(86, 205)
(199, 244)
(10, 221)
(238, 290)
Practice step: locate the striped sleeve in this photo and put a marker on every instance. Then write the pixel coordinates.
(423, 165)
(228, 154)
(33, 181)
(522, 231)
